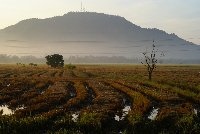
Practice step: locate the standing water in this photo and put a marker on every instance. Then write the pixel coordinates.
(125, 110)
(195, 112)
(75, 117)
(5, 110)
(153, 114)
(124, 114)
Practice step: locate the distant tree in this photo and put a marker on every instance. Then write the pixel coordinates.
(150, 60)
(21, 64)
(32, 64)
(55, 60)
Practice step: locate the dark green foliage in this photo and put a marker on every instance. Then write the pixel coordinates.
(70, 66)
(21, 64)
(55, 60)
(90, 123)
(32, 64)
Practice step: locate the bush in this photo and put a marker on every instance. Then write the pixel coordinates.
(32, 64)
(70, 66)
(55, 60)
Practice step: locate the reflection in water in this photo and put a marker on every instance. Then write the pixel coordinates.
(5, 110)
(72, 94)
(117, 118)
(75, 117)
(124, 114)
(20, 107)
(153, 114)
(195, 111)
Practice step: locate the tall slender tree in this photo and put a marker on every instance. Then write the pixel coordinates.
(150, 60)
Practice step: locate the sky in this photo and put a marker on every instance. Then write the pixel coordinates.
(181, 17)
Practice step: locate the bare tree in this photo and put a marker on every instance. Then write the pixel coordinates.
(150, 60)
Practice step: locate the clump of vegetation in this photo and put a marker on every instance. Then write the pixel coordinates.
(32, 64)
(18, 64)
(70, 66)
(55, 60)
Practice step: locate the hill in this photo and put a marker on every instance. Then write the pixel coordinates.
(89, 33)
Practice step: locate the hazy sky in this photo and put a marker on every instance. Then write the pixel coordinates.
(173, 16)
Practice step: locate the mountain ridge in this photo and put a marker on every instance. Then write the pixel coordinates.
(83, 32)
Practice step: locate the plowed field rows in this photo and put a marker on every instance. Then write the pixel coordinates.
(99, 99)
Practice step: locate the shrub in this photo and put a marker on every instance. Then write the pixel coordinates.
(70, 66)
(55, 60)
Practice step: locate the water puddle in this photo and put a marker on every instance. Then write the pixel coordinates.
(20, 107)
(124, 113)
(5, 110)
(72, 90)
(153, 114)
(75, 117)
(72, 94)
(195, 111)
(43, 90)
(91, 92)
(125, 110)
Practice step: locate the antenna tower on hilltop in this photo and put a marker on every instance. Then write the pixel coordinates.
(82, 7)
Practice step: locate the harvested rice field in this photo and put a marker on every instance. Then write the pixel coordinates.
(102, 99)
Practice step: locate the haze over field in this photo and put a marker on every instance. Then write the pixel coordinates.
(89, 33)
